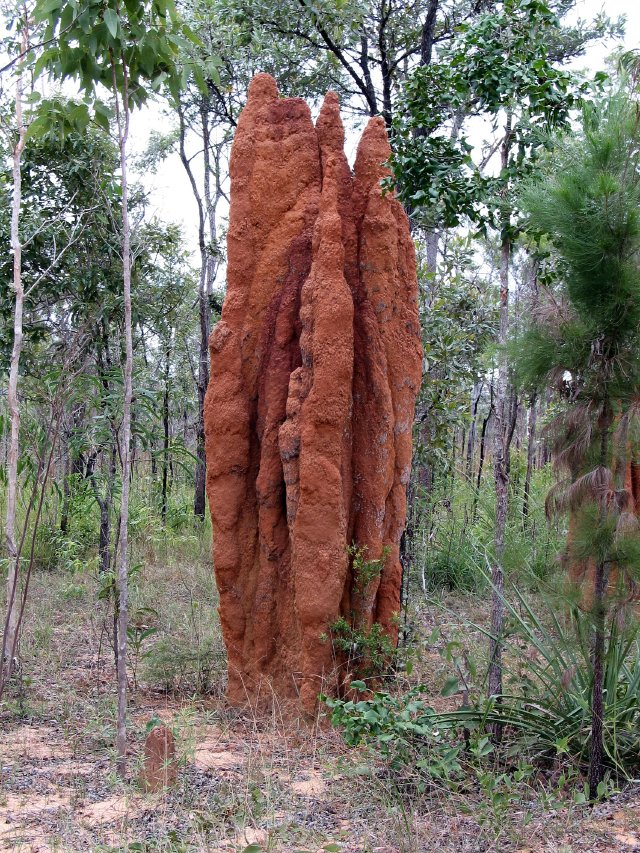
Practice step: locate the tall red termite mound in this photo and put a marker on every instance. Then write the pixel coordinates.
(315, 366)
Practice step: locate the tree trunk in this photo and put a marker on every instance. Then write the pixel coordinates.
(428, 33)
(471, 439)
(432, 241)
(482, 453)
(199, 501)
(501, 485)
(10, 639)
(165, 440)
(105, 505)
(66, 487)
(531, 450)
(500, 457)
(122, 117)
(513, 408)
(596, 747)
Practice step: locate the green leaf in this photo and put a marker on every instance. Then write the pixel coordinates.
(148, 58)
(562, 745)
(101, 120)
(253, 848)
(149, 632)
(103, 108)
(46, 8)
(358, 685)
(198, 77)
(37, 128)
(332, 848)
(111, 20)
(451, 686)
(79, 117)
(102, 115)
(153, 723)
(45, 59)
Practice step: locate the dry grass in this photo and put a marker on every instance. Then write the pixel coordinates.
(244, 779)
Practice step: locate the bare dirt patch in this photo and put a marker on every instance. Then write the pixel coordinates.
(33, 742)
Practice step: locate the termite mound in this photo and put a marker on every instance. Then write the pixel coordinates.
(315, 366)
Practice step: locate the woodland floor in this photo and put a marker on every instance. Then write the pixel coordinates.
(243, 780)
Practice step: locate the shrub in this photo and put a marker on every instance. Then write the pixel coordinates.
(368, 651)
(549, 713)
(402, 729)
(545, 717)
(176, 664)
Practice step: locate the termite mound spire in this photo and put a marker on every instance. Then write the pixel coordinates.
(315, 366)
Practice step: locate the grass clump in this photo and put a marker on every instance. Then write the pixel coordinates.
(179, 665)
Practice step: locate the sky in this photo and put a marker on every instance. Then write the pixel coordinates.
(170, 197)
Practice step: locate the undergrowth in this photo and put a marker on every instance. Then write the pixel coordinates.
(544, 715)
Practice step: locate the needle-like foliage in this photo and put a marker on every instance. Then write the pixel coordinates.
(588, 203)
(585, 341)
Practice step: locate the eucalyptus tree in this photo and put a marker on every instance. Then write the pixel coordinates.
(24, 118)
(131, 50)
(163, 309)
(17, 147)
(369, 47)
(69, 187)
(458, 320)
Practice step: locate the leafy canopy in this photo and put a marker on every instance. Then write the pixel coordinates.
(133, 45)
(497, 64)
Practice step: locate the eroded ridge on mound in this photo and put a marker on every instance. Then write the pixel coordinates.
(315, 366)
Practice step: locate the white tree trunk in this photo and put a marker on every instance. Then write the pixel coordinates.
(11, 622)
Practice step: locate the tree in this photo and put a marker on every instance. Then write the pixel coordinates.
(585, 342)
(458, 320)
(164, 278)
(130, 50)
(27, 121)
(10, 634)
(207, 107)
(498, 65)
(366, 48)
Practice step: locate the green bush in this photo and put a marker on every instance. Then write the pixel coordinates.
(453, 534)
(370, 652)
(544, 714)
(402, 729)
(55, 550)
(179, 664)
(454, 571)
